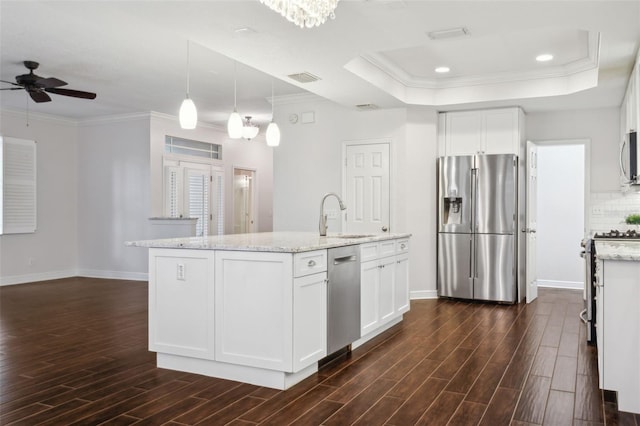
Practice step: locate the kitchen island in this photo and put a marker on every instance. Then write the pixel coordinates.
(253, 307)
(618, 320)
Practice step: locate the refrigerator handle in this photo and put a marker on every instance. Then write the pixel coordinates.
(474, 189)
(473, 273)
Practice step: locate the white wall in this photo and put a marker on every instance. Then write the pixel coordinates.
(51, 251)
(114, 201)
(601, 126)
(253, 154)
(307, 164)
(561, 206)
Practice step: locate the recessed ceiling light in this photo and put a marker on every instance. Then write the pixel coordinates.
(544, 58)
(442, 70)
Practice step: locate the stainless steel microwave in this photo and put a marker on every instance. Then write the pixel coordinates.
(630, 159)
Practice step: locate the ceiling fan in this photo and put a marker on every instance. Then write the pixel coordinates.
(37, 86)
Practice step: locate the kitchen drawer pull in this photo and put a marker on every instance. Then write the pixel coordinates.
(311, 263)
(403, 246)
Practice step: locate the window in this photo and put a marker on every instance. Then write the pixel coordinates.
(181, 146)
(17, 186)
(194, 189)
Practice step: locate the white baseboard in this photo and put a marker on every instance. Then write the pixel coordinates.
(114, 275)
(89, 273)
(423, 294)
(573, 285)
(42, 276)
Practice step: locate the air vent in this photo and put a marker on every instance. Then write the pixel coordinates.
(304, 77)
(450, 33)
(367, 107)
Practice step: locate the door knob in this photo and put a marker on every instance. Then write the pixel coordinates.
(385, 229)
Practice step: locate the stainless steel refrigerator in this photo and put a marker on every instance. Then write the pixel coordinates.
(477, 223)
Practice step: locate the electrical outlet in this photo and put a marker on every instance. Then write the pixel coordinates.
(180, 272)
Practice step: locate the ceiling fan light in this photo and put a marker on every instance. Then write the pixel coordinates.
(273, 134)
(188, 114)
(249, 130)
(234, 125)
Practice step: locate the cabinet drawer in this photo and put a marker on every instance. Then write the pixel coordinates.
(387, 248)
(309, 262)
(402, 246)
(368, 251)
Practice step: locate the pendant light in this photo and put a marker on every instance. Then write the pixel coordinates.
(188, 113)
(235, 125)
(273, 131)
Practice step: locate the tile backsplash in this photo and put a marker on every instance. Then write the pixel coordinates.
(609, 209)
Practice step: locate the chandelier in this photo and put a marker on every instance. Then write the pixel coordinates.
(304, 13)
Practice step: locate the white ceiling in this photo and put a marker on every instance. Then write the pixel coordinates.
(133, 54)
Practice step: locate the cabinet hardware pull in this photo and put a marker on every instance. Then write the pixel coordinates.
(311, 263)
(403, 246)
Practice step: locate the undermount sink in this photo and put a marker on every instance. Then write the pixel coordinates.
(351, 236)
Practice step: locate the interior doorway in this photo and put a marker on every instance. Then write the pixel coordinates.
(244, 203)
(560, 209)
(366, 186)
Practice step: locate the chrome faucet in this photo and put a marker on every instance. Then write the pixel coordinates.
(323, 217)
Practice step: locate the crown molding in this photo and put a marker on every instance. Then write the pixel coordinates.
(382, 65)
(49, 118)
(200, 124)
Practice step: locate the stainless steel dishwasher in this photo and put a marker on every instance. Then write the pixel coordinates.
(343, 297)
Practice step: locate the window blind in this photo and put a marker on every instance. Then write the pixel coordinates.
(18, 186)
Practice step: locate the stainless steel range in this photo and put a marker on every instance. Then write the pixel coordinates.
(618, 235)
(588, 314)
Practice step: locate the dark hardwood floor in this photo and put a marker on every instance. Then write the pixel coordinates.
(74, 351)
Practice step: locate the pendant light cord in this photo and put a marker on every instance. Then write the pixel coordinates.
(188, 68)
(235, 85)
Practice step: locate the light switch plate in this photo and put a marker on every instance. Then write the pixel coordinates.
(180, 272)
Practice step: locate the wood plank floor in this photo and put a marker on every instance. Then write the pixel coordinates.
(74, 351)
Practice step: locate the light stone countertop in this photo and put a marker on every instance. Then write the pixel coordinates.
(618, 249)
(282, 242)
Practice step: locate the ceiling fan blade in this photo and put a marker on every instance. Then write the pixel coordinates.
(9, 82)
(48, 83)
(39, 96)
(73, 93)
(12, 88)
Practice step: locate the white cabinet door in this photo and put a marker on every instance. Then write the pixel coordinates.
(181, 302)
(491, 131)
(401, 282)
(309, 320)
(463, 133)
(369, 295)
(500, 131)
(386, 267)
(622, 332)
(254, 303)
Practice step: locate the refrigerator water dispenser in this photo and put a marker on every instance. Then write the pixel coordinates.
(452, 214)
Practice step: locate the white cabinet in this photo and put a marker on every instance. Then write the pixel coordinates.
(491, 131)
(384, 283)
(620, 335)
(181, 302)
(265, 317)
(600, 321)
(309, 319)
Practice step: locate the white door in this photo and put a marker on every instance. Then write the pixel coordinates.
(366, 188)
(243, 201)
(531, 221)
(198, 198)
